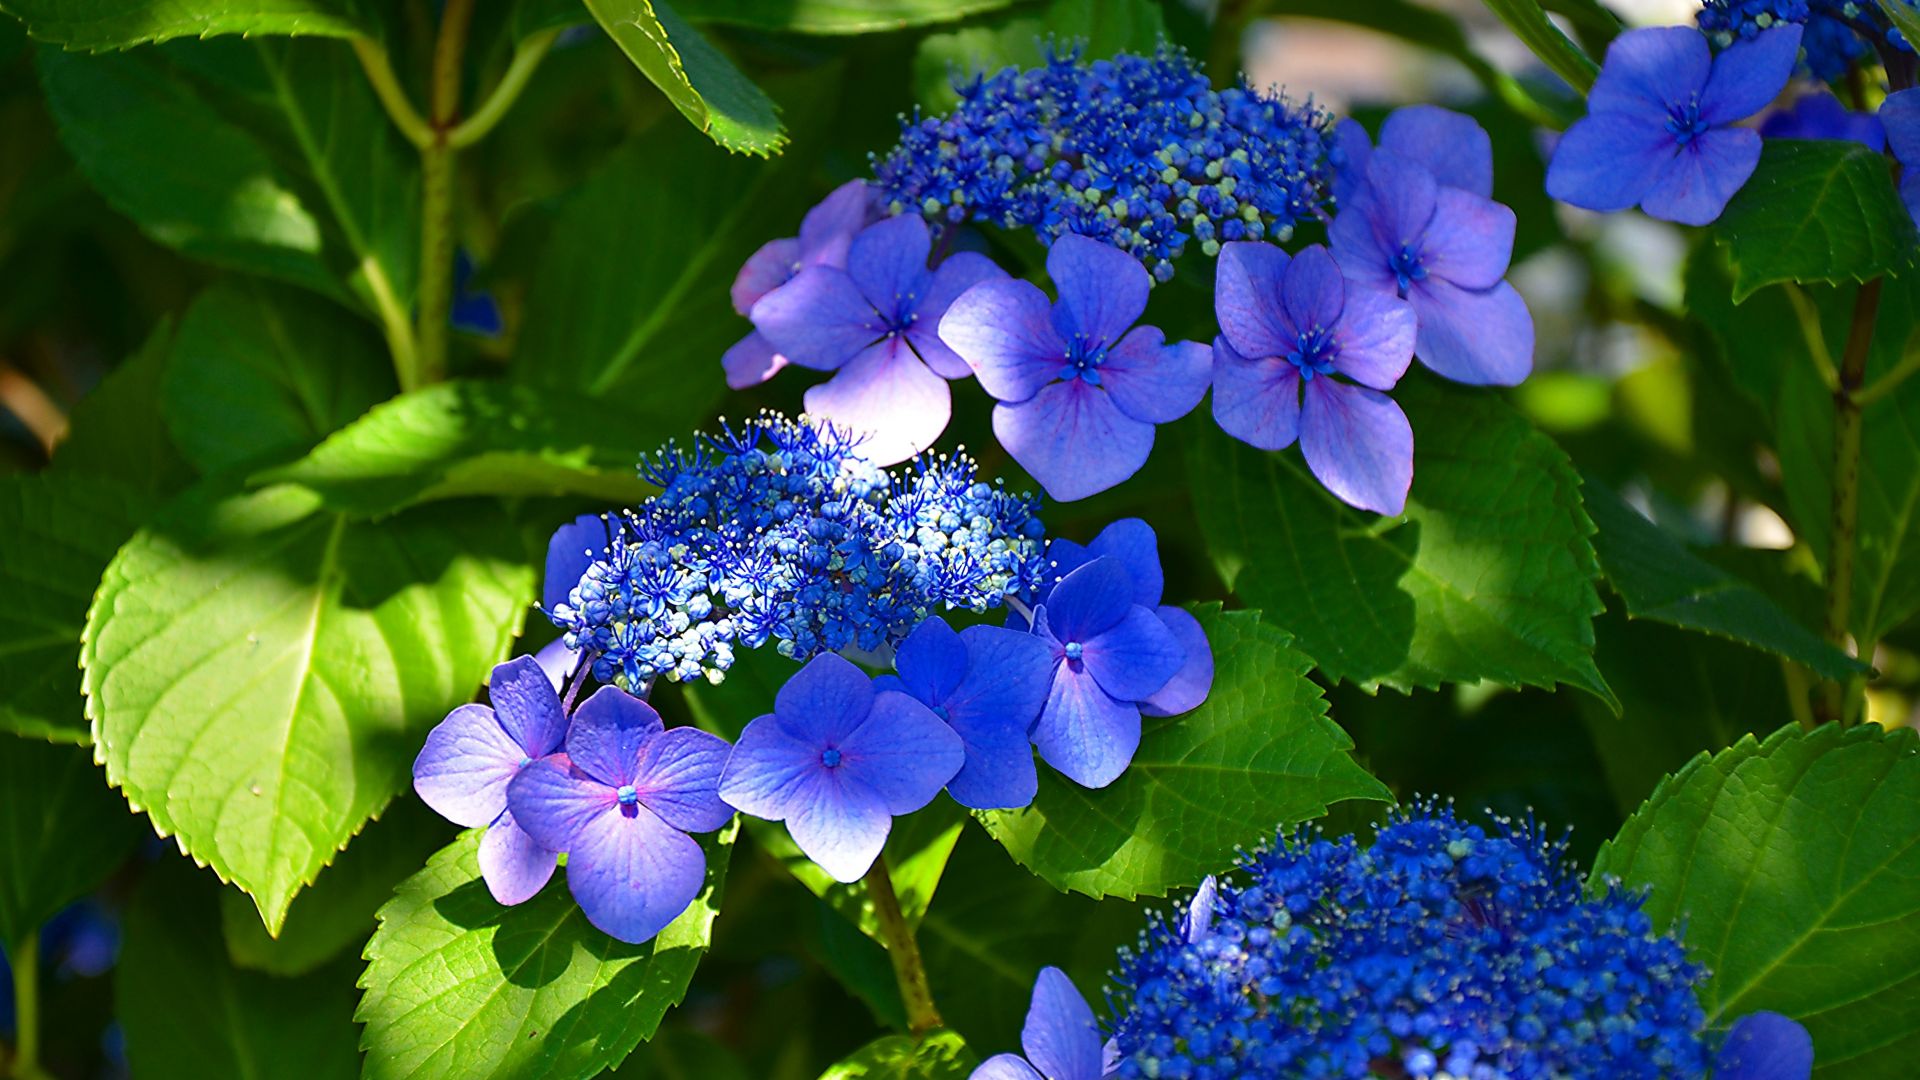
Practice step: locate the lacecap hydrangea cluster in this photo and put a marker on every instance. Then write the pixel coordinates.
(1138, 152)
(778, 530)
(1839, 33)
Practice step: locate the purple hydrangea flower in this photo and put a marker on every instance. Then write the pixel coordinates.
(1658, 131)
(988, 683)
(470, 758)
(1765, 1046)
(837, 760)
(1821, 116)
(825, 233)
(874, 324)
(1079, 389)
(620, 802)
(1419, 222)
(1291, 328)
(1900, 116)
(1061, 1038)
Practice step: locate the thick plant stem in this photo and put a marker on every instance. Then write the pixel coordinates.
(1530, 24)
(436, 192)
(1841, 533)
(908, 970)
(25, 959)
(386, 87)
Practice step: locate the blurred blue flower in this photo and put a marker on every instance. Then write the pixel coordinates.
(473, 310)
(1061, 1039)
(1765, 1046)
(825, 233)
(1821, 116)
(1833, 40)
(1900, 116)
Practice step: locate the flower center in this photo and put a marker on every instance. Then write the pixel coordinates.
(904, 315)
(1074, 650)
(830, 757)
(941, 712)
(1314, 352)
(524, 761)
(1084, 358)
(1684, 122)
(1407, 266)
(627, 795)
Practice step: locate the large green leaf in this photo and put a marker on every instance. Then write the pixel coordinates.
(1794, 865)
(261, 671)
(697, 77)
(61, 532)
(1815, 210)
(188, 1014)
(1488, 577)
(841, 16)
(261, 373)
(474, 438)
(118, 24)
(119, 434)
(62, 831)
(458, 985)
(939, 1055)
(1260, 753)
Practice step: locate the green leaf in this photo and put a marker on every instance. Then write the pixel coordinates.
(458, 985)
(99, 25)
(474, 438)
(697, 77)
(1903, 15)
(677, 1053)
(62, 831)
(939, 1055)
(842, 16)
(61, 532)
(189, 1014)
(916, 852)
(262, 373)
(1815, 210)
(1102, 27)
(1794, 864)
(119, 434)
(261, 672)
(338, 910)
(1661, 580)
(1261, 753)
(1489, 576)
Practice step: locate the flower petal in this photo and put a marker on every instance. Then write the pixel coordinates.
(772, 266)
(840, 823)
(1607, 161)
(1134, 544)
(1060, 1037)
(558, 662)
(609, 729)
(751, 361)
(678, 778)
(931, 662)
(633, 874)
(1153, 381)
(463, 770)
(1481, 337)
(888, 262)
(1136, 658)
(992, 711)
(1005, 1067)
(1255, 401)
(1400, 201)
(1765, 1046)
(1199, 920)
(903, 752)
(1191, 684)
(1377, 335)
(1359, 444)
(1003, 329)
(1648, 69)
(1313, 290)
(527, 707)
(1694, 187)
(1900, 116)
(890, 398)
(818, 320)
(1470, 241)
(1351, 150)
(1089, 601)
(1084, 732)
(1246, 298)
(1453, 146)
(829, 227)
(824, 701)
(1749, 74)
(955, 275)
(769, 770)
(1357, 249)
(570, 550)
(553, 801)
(514, 865)
(1073, 439)
(1102, 289)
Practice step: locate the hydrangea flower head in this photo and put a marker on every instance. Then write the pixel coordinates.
(1061, 1038)
(1079, 387)
(1658, 131)
(1900, 116)
(875, 325)
(1417, 220)
(837, 760)
(1837, 33)
(1821, 116)
(1293, 329)
(620, 802)
(471, 757)
(825, 234)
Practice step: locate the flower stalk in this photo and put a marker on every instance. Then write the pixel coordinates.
(908, 969)
(25, 959)
(1839, 700)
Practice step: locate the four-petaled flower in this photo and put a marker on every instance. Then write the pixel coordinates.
(1079, 394)
(1900, 117)
(837, 760)
(1419, 221)
(469, 759)
(825, 233)
(1061, 1038)
(988, 683)
(875, 325)
(1658, 127)
(1287, 328)
(620, 802)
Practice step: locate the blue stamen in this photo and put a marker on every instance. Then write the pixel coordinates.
(627, 795)
(830, 757)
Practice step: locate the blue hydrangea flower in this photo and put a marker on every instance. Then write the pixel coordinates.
(1900, 116)
(875, 325)
(1821, 116)
(825, 233)
(1137, 152)
(1417, 220)
(620, 802)
(469, 759)
(1838, 33)
(1061, 1038)
(1291, 328)
(988, 683)
(1658, 131)
(837, 760)
(1079, 387)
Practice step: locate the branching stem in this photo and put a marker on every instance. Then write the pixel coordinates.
(1836, 703)
(436, 191)
(908, 969)
(526, 59)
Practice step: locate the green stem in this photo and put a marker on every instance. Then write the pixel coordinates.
(1837, 701)
(26, 1009)
(436, 193)
(1890, 381)
(386, 87)
(1529, 23)
(526, 59)
(908, 970)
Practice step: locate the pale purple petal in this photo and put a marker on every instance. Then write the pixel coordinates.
(1153, 381)
(1900, 116)
(463, 770)
(830, 226)
(1358, 250)
(818, 320)
(751, 361)
(1060, 1037)
(1073, 439)
(886, 395)
(1351, 150)
(1470, 241)
(1199, 920)
(514, 865)
(1004, 331)
(570, 550)
(770, 770)
(1483, 337)
(992, 711)
(1084, 732)
(609, 729)
(955, 275)
(1246, 298)
(1313, 291)
(1190, 685)
(1256, 401)
(1694, 187)
(633, 874)
(903, 752)
(1005, 1067)
(931, 662)
(1134, 544)
(553, 801)
(823, 701)
(1648, 69)
(765, 270)
(840, 823)
(1102, 289)
(1135, 658)
(1765, 1046)
(1453, 146)
(1376, 336)
(888, 262)
(1399, 202)
(1359, 444)
(1088, 602)
(527, 707)
(1749, 74)
(1607, 161)
(558, 662)
(678, 778)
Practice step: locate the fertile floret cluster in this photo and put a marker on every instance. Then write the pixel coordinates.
(1444, 947)
(779, 530)
(1138, 152)
(1838, 32)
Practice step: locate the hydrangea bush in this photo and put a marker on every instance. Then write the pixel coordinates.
(1010, 539)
